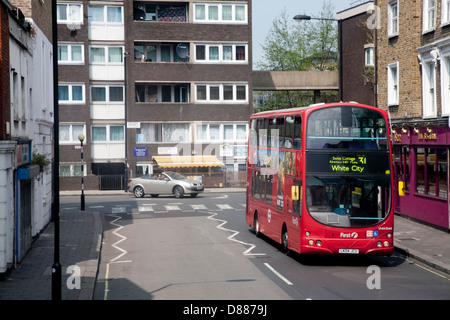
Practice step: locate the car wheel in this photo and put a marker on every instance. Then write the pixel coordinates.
(256, 225)
(138, 192)
(284, 241)
(178, 192)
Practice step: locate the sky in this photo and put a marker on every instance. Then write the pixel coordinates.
(265, 11)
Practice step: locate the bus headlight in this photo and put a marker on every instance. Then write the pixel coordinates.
(386, 243)
(379, 244)
(318, 243)
(311, 242)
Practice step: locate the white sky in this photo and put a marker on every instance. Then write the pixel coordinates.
(265, 11)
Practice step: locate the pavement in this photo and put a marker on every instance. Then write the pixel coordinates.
(81, 239)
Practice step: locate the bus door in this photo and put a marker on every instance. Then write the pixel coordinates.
(293, 208)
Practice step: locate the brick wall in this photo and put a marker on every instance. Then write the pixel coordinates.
(5, 109)
(401, 49)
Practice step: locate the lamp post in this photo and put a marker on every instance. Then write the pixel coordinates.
(301, 17)
(81, 138)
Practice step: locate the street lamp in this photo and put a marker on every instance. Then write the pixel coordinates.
(301, 17)
(81, 138)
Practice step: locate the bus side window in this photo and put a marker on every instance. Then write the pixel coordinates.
(253, 133)
(288, 132)
(297, 132)
(271, 133)
(280, 128)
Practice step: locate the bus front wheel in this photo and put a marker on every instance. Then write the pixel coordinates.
(256, 225)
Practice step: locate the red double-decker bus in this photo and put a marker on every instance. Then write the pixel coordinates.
(319, 179)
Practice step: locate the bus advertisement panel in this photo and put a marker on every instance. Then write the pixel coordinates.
(319, 179)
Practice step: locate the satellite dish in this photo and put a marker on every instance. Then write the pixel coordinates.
(182, 50)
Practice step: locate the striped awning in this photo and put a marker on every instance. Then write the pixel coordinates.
(188, 161)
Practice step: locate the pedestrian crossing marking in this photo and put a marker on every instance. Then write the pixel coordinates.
(198, 207)
(224, 206)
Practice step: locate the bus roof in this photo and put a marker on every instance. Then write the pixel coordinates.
(294, 110)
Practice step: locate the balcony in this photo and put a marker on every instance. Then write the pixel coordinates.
(160, 12)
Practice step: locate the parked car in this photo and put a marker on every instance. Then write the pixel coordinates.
(164, 183)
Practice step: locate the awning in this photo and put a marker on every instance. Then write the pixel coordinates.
(188, 161)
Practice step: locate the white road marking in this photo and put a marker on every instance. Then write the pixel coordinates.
(232, 236)
(277, 273)
(224, 206)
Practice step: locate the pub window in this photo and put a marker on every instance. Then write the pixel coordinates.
(431, 172)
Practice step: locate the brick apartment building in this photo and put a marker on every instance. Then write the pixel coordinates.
(413, 67)
(358, 58)
(173, 94)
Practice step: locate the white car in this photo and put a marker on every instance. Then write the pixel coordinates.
(164, 183)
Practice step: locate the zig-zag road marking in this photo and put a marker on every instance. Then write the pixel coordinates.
(122, 238)
(233, 234)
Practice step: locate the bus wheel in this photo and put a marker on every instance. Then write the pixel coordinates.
(284, 241)
(256, 225)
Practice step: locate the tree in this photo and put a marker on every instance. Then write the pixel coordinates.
(299, 46)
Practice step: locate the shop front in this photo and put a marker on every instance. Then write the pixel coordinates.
(421, 162)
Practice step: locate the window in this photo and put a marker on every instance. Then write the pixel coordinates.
(162, 93)
(222, 53)
(71, 93)
(108, 133)
(445, 12)
(429, 89)
(393, 90)
(107, 94)
(393, 18)
(105, 14)
(221, 93)
(431, 172)
(70, 53)
(143, 11)
(106, 54)
(220, 13)
(220, 132)
(68, 133)
(445, 80)
(369, 56)
(401, 161)
(166, 132)
(429, 15)
(71, 170)
(157, 52)
(69, 13)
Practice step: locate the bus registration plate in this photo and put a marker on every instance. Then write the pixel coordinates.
(349, 251)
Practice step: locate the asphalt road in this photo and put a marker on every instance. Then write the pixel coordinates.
(201, 249)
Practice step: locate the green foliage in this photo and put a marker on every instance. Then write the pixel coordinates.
(41, 160)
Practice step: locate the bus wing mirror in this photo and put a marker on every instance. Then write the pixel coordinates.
(295, 193)
(401, 188)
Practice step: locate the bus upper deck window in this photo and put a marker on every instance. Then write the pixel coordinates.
(297, 132)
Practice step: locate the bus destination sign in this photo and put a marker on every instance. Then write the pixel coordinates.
(347, 163)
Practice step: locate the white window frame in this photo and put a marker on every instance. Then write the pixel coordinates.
(72, 167)
(393, 84)
(105, 15)
(69, 20)
(199, 132)
(107, 94)
(69, 54)
(108, 133)
(393, 18)
(445, 13)
(221, 50)
(221, 99)
(161, 132)
(369, 58)
(106, 61)
(429, 102)
(220, 13)
(445, 82)
(70, 86)
(72, 140)
(429, 24)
